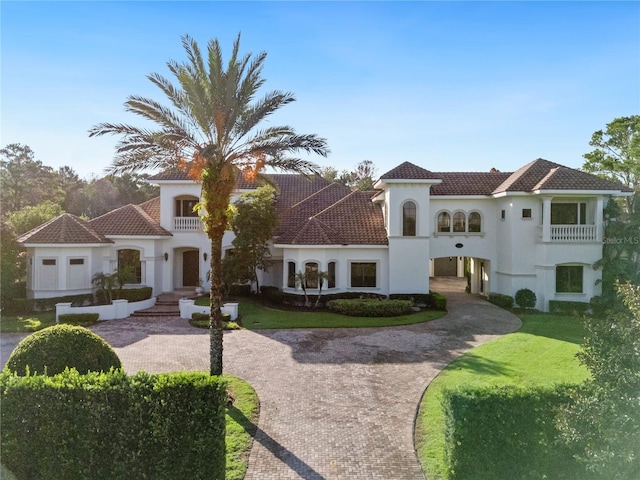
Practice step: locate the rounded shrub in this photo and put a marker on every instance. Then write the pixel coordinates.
(55, 348)
(525, 298)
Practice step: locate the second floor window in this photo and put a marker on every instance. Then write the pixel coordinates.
(459, 222)
(409, 219)
(568, 214)
(444, 222)
(185, 206)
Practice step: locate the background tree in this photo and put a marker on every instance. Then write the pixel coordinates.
(617, 155)
(604, 421)
(69, 183)
(11, 267)
(253, 223)
(25, 181)
(210, 130)
(362, 177)
(30, 217)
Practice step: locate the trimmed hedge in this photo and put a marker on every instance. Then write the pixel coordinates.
(503, 301)
(277, 297)
(112, 426)
(525, 298)
(131, 294)
(78, 318)
(55, 348)
(20, 306)
(560, 307)
(201, 320)
(506, 432)
(371, 308)
(430, 300)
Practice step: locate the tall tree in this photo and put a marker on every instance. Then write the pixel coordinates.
(69, 183)
(255, 219)
(30, 217)
(603, 420)
(210, 130)
(617, 155)
(24, 180)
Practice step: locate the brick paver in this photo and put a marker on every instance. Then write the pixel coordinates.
(335, 403)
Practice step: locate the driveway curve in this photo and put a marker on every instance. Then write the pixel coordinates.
(335, 403)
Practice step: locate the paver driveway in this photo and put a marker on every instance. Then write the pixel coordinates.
(335, 403)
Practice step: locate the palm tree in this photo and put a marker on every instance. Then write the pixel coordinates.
(210, 130)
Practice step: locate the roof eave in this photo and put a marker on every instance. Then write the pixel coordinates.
(425, 181)
(65, 245)
(617, 193)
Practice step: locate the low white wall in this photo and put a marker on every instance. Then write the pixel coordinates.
(117, 310)
(188, 308)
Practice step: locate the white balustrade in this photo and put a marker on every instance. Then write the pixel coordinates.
(187, 224)
(573, 233)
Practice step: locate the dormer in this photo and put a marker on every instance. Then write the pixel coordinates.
(405, 192)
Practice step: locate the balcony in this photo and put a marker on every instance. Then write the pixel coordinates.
(574, 233)
(187, 224)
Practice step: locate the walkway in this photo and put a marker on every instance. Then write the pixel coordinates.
(335, 403)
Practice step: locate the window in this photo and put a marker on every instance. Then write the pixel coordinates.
(291, 274)
(503, 214)
(363, 274)
(569, 278)
(311, 275)
(331, 271)
(409, 219)
(459, 222)
(130, 260)
(76, 261)
(568, 213)
(49, 262)
(444, 222)
(526, 213)
(185, 206)
(475, 222)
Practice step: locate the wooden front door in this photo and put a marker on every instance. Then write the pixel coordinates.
(190, 268)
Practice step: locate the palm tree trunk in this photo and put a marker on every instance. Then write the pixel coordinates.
(216, 194)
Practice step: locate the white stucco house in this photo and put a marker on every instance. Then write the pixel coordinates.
(540, 227)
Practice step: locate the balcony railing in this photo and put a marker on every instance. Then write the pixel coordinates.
(573, 233)
(187, 224)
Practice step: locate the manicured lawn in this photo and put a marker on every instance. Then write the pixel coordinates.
(541, 352)
(255, 316)
(27, 323)
(242, 422)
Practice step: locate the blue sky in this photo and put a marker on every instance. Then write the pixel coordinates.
(450, 86)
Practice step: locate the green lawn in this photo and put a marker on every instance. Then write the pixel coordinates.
(255, 316)
(541, 352)
(27, 323)
(242, 422)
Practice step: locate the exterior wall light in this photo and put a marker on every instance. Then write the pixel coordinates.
(204, 255)
(166, 256)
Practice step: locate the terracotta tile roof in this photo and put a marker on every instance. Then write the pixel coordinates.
(564, 178)
(171, 174)
(409, 171)
(65, 228)
(152, 207)
(128, 220)
(352, 219)
(468, 183)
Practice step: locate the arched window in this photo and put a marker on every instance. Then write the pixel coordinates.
(311, 274)
(444, 222)
(459, 222)
(291, 274)
(409, 219)
(475, 222)
(331, 271)
(129, 261)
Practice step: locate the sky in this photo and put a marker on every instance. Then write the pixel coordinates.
(448, 86)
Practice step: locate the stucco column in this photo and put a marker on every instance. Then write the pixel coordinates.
(598, 220)
(546, 219)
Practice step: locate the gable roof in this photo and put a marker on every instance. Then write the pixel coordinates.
(130, 220)
(152, 207)
(542, 174)
(64, 229)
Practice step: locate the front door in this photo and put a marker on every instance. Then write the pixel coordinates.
(190, 268)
